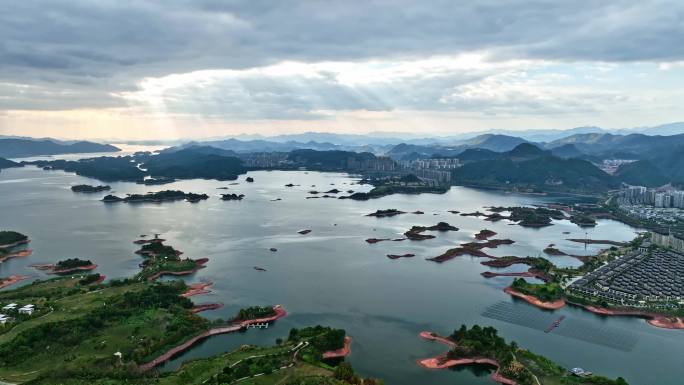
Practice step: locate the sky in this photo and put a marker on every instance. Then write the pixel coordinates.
(164, 69)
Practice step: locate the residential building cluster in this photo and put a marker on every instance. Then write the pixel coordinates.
(436, 164)
(264, 159)
(640, 195)
(640, 278)
(14, 308)
(380, 163)
(610, 166)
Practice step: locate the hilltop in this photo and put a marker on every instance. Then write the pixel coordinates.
(19, 148)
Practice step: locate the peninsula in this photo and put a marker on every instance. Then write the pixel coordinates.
(512, 364)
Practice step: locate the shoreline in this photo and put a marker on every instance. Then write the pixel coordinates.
(653, 319)
(197, 289)
(442, 362)
(205, 307)
(15, 244)
(11, 280)
(234, 327)
(342, 352)
(17, 254)
(554, 305)
(200, 265)
(90, 267)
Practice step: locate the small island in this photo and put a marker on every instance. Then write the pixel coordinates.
(416, 232)
(67, 266)
(385, 213)
(232, 197)
(512, 364)
(471, 248)
(546, 296)
(528, 216)
(484, 234)
(583, 220)
(88, 189)
(163, 260)
(408, 184)
(11, 239)
(157, 197)
(397, 256)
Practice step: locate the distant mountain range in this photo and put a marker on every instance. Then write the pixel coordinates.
(21, 147)
(530, 168)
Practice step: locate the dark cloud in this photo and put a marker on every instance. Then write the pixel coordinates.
(107, 46)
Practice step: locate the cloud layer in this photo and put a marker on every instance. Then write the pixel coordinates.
(306, 60)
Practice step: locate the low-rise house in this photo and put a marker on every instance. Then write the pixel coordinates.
(28, 309)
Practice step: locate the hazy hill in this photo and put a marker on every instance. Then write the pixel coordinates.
(527, 166)
(497, 143)
(19, 148)
(328, 160)
(196, 162)
(642, 173)
(568, 150)
(639, 144)
(494, 142)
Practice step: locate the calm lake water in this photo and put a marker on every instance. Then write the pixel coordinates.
(332, 276)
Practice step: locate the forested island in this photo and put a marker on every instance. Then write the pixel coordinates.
(10, 239)
(84, 188)
(408, 184)
(513, 365)
(163, 259)
(157, 197)
(232, 197)
(188, 163)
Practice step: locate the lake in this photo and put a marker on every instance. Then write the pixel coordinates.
(332, 276)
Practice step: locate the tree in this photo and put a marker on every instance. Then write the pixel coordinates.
(344, 372)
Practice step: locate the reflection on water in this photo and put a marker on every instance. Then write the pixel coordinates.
(331, 276)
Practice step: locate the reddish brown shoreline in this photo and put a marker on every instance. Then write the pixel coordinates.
(442, 362)
(654, 319)
(90, 267)
(598, 242)
(280, 313)
(471, 248)
(206, 306)
(15, 244)
(197, 289)
(17, 254)
(525, 274)
(342, 352)
(51, 268)
(11, 280)
(555, 305)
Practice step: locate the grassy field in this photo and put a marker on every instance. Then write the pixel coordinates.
(207, 371)
(78, 329)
